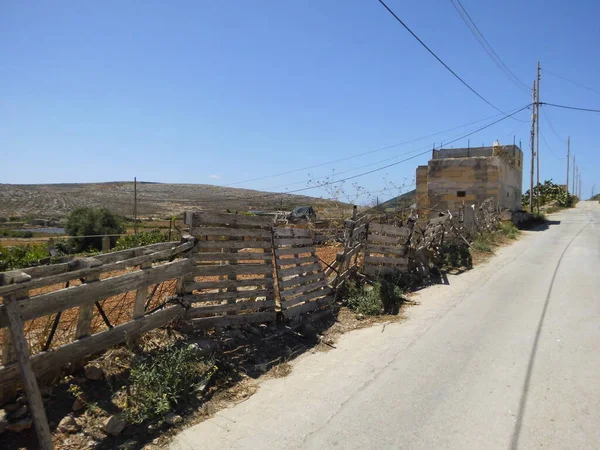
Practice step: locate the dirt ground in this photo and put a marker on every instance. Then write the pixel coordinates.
(244, 356)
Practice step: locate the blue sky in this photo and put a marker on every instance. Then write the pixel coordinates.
(228, 91)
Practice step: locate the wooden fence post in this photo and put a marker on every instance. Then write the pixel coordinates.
(34, 398)
(86, 312)
(105, 243)
(139, 307)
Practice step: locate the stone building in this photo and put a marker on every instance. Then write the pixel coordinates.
(470, 175)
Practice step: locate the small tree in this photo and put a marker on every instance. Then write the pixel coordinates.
(92, 222)
(548, 192)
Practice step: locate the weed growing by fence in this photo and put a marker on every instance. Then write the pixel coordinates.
(160, 381)
(483, 242)
(383, 296)
(509, 230)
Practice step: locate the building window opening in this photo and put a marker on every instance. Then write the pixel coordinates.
(461, 194)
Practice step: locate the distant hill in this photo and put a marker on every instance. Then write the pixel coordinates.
(596, 197)
(403, 201)
(154, 199)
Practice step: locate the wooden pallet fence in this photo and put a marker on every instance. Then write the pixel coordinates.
(355, 231)
(232, 278)
(386, 249)
(302, 282)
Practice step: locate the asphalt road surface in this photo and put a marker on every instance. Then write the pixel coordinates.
(506, 356)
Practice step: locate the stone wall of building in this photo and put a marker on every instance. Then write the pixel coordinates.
(452, 181)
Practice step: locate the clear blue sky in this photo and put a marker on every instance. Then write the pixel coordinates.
(225, 91)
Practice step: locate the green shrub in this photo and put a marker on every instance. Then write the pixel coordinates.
(509, 230)
(457, 255)
(383, 296)
(92, 222)
(21, 256)
(483, 242)
(16, 234)
(142, 238)
(158, 382)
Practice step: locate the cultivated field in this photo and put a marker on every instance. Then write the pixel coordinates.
(154, 199)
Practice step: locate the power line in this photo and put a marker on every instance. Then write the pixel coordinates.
(547, 119)
(506, 116)
(487, 46)
(365, 165)
(550, 148)
(370, 152)
(571, 81)
(571, 107)
(438, 58)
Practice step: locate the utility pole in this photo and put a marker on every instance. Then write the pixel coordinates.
(574, 166)
(568, 159)
(135, 224)
(532, 144)
(537, 133)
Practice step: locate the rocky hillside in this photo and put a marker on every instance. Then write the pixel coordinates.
(154, 199)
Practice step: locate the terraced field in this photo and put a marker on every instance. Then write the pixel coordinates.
(154, 199)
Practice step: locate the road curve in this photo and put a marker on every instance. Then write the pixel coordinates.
(506, 356)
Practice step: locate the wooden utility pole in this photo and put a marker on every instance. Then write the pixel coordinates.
(135, 224)
(537, 133)
(568, 159)
(573, 190)
(532, 144)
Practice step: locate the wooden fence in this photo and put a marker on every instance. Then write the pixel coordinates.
(232, 276)
(221, 275)
(302, 283)
(386, 249)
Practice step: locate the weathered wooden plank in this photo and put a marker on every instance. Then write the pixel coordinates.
(86, 312)
(56, 358)
(230, 232)
(230, 270)
(199, 311)
(229, 220)
(381, 270)
(229, 295)
(438, 220)
(225, 284)
(96, 270)
(238, 319)
(294, 242)
(221, 244)
(283, 284)
(294, 251)
(14, 277)
(381, 239)
(308, 297)
(390, 230)
(281, 233)
(303, 289)
(87, 294)
(385, 250)
(299, 270)
(386, 260)
(34, 398)
(306, 307)
(301, 260)
(134, 252)
(140, 296)
(226, 256)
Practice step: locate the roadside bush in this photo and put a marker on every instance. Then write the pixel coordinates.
(158, 382)
(509, 230)
(142, 238)
(548, 192)
(457, 255)
(483, 242)
(383, 296)
(92, 222)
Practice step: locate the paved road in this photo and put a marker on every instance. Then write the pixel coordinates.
(507, 356)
